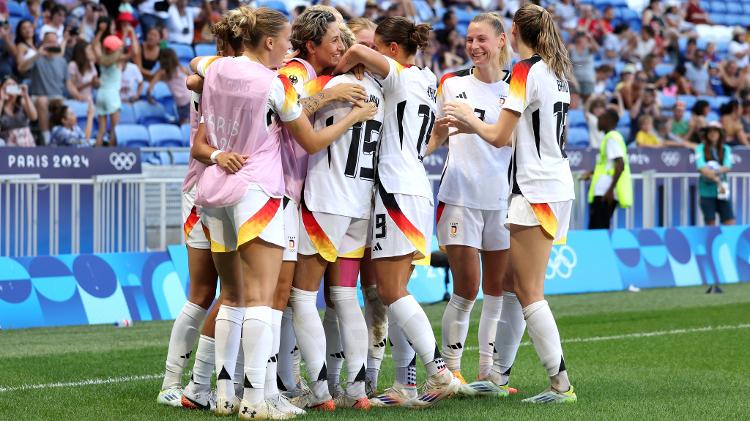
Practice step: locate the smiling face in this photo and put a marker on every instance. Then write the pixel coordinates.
(27, 30)
(328, 53)
(483, 45)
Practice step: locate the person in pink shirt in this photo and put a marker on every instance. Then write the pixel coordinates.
(245, 106)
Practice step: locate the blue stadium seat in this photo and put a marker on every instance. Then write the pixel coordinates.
(132, 135)
(718, 7)
(720, 19)
(17, 10)
(576, 118)
(127, 114)
(205, 49)
(161, 91)
(279, 6)
(148, 114)
(578, 136)
(165, 135)
(734, 8)
(663, 69)
(689, 100)
(185, 130)
(80, 109)
(13, 21)
(746, 8)
(667, 102)
(624, 120)
(184, 51)
(712, 116)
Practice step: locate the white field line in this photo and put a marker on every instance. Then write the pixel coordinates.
(145, 377)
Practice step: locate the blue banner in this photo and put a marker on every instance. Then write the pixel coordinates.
(69, 162)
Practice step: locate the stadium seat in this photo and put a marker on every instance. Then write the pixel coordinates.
(80, 109)
(720, 19)
(689, 100)
(734, 8)
(161, 91)
(576, 118)
(165, 135)
(712, 116)
(205, 49)
(185, 130)
(17, 10)
(279, 6)
(578, 136)
(184, 51)
(132, 135)
(13, 21)
(127, 114)
(148, 114)
(624, 120)
(663, 69)
(667, 102)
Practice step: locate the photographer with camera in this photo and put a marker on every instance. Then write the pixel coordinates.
(181, 22)
(16, 111)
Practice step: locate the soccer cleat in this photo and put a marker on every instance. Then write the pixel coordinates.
(553, 396)
(281, 403)
(439, 386)
(196, 397)
(463, 389)
(328, 405)
(171, 396)
(262, 411)
(226, 407)
(371, 390)
(395, 396)
(491, 385)
(457, 374)
(345, 401)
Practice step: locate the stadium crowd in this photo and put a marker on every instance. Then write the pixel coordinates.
(60, 60)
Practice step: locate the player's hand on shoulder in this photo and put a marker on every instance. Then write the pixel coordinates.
(349, 92)
(364, 111)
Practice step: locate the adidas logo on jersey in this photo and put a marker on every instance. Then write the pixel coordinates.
(462, 95)
(377, 247)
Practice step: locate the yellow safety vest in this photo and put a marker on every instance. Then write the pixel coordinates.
(624, 187)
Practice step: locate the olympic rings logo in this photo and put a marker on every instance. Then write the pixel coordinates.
(562, 261)
(122, 161)
(670, 159)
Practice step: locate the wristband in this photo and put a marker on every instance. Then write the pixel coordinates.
(214, 154)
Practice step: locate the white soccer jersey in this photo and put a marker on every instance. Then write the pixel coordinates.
(539, 166)
(340, 177)
(476, 173)
(410, 95)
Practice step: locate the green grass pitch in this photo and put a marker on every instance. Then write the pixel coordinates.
(658, 354)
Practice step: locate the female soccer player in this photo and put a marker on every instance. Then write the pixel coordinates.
(473, 200)
(542, 184)
(242, 206)
(403, 205)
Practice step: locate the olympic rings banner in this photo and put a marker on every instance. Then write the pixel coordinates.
(104, 288)
(70, 162)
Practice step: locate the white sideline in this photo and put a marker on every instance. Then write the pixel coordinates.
(636, 335)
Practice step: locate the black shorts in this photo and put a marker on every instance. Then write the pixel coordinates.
(710, 206)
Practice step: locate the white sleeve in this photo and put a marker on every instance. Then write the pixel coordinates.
(283, 99)
(390, 81)
(614, 151)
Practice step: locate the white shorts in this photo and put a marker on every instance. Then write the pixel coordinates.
(402, 225)
(256, 215)
(481, 229)
(332, 236)
(291, 229)
(195, 230)
(553, 218)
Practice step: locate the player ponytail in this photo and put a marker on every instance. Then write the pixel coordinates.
(405, 33)
(255, 25)
(538, 31)
(495, 21)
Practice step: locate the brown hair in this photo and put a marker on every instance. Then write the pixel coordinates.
(57, 110)
(80, 58)
(347, 36)
(495, 21)
(537, 30)
(405, 33)
(708, 150)
(311, 25)
(359, 24)
(253, 25)
(168, 62)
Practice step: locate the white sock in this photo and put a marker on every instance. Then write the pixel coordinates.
(272, 388)
(287, 343)
(410, 317)
(311, 339)
(227, 340)
(491, 307)
(353, 330)
(376, 318)
(185, 332)
(204, 362)
(546, 339)
(455, 329)
(403, 356)
(509, 333)
(334, 349)
(239, 372)
(257, 342)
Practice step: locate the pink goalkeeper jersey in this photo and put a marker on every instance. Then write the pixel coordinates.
(234, 104)
(195, 167)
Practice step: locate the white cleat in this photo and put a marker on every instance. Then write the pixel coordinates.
(440, 386)
(394, 396)
(553, 396)
(262, 411)
(199, 397)
(171, 397)
(225, 407)
(281, 403)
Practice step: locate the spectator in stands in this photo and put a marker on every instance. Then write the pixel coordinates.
(8, 50)
(714, 79)
(451, 54)
(731, 76)
(567, 16)
(49, 78)
(65, 130)
(730, 117)
(582, 57)
(150, 51)
(593, 25)
(691, 50)
(16, 111)
(603, 74)
(153, 13)
(57, 21)
(132, 80)
(738, 49)
(632, 91)
(664, 133)
(713, 159)
(672, 47)
(174, 74)
(25, 46)
(450, 21)
(372, 10)
(696, 71)
(648, 66)
(745, 119)
(82, 73)
(646, 43)
(613, 44)
(646, 136)
(653, 15)
(594, 109)
(35, 12)
(181, 22)
(91, 15)
(698, 120)
(108, 104)
(125, 24)
(678, 125)
(349, 8)
(695, 13)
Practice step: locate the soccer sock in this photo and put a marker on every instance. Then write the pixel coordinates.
(334, 349)
(403, 356)
(455, 328)
(257, 343)
(185, 332)
(491, 306)
(272, 388)
(546, 339)
(204, 362)
(239, 372)
(287, 342)
(353, 330)
(311, 339)
(509, 333)
(227, 345)
(412, 319)
(376, 318)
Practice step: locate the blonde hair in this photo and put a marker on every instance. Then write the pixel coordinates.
(253, 25)
(347, 36)
(360, 24)
(537, 30)
(495, 21)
